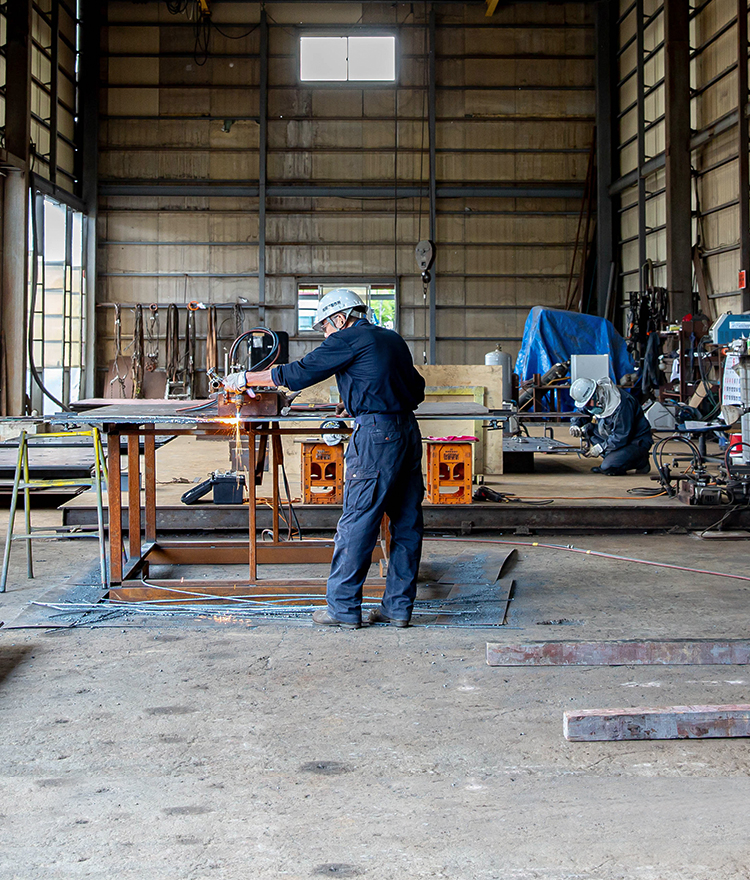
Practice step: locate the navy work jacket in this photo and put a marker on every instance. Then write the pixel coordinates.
(627, 425)
(373, 368)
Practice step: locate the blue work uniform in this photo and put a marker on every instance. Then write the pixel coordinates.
(625, 437)
(380, 389)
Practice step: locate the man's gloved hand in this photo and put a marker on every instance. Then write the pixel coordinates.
(237, 382)
(596, 450)
(575, 431)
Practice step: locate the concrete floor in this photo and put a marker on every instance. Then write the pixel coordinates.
(212, 751)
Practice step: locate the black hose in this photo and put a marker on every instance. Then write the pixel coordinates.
(269, 360)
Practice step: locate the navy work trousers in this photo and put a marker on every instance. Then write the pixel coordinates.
(383, 475)
(627, 458)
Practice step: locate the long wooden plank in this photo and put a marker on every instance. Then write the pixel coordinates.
(669, 722)
(678, 652)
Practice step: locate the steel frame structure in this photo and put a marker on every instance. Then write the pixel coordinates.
(140, 425)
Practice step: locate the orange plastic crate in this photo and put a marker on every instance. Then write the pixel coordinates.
(449, 472)
(322, 473)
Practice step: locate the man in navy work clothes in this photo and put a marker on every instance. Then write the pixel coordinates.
(621, 434)
(381, 389)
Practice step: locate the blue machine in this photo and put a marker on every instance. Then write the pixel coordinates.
(728, 327)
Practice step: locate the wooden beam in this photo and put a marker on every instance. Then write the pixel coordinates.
(669, 722)
(680, 652)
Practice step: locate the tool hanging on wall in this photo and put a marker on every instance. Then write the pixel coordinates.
(152, 335)
(118, 377)
(189, 374)
(649, 309)
(136, 363)
(212, 341)
(175, 387)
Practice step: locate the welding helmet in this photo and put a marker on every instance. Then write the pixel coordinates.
(608, 397)
(339, 300)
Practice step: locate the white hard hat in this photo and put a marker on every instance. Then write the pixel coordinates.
(339, 300)
(582, 390)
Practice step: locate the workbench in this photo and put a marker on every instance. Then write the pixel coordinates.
(140, 423)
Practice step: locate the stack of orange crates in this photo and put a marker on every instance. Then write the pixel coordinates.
(449, 472)
(322, 473)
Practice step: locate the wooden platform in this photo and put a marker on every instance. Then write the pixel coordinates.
(581, 500)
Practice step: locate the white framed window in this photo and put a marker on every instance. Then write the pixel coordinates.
(380, 297)
(57, 303)
(347, 59)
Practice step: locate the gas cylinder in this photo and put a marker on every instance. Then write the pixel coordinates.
(501, 358)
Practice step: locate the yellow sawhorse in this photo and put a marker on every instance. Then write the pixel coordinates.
(22, 483)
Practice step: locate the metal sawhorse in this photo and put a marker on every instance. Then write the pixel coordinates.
(22, 482)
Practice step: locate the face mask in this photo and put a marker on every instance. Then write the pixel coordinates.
(595, 410)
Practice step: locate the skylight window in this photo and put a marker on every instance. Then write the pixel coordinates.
(348, 59)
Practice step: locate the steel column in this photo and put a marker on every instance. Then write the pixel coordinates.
(604, 156)
(15, 206)
(18, 79)
(53, 90)
(743, 176)
(641, 117)
(432, 126)
(87, 170)
(678, 174)
(15, 264)
(262, 166)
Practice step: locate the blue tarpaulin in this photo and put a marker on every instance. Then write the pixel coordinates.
(553, 335)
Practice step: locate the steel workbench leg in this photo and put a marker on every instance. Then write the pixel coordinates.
(99, 476)
(115, 507)
(27, 508)
(134, 496)
(12, 514)
(252, 501)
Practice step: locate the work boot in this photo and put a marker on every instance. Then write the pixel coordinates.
(596, 469)
(377, 615)
(323, 617)
(645, 469)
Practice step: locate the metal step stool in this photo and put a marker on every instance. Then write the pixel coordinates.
(23, 483)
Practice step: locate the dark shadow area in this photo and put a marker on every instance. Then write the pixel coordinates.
(11, 658)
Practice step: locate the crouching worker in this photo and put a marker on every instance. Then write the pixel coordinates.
(381, 389)
(614, 425)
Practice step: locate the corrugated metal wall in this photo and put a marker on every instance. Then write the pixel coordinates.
(714, 156)
(514, 105)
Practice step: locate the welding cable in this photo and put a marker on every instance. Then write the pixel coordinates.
(199, 407)
(657, 454)
(268, 360)
(571, 549)
(172, 345)
(190, 350)
(727, 459)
